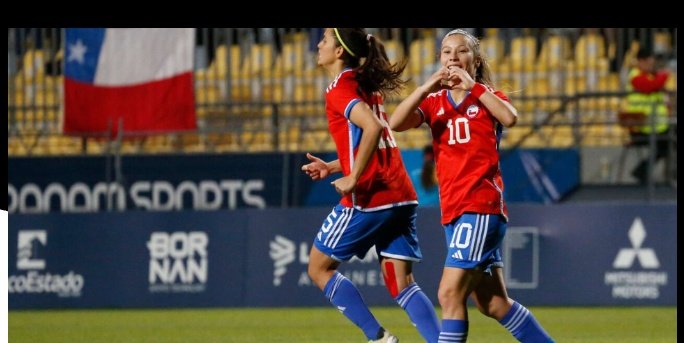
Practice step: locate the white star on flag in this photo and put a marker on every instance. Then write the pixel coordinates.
(77, 52)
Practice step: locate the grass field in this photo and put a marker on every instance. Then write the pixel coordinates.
(568, 324)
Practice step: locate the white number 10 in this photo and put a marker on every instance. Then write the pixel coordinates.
(457, 240)
(454, 131)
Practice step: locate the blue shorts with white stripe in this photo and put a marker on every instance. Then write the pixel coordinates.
(474, 241)
(348, 232)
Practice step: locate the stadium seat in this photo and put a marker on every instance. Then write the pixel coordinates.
(503, 78)
(590, 47)
(260, 60)
(523, 53)
(289, 138)
(317, 140)
(493, 49)
(610, 82)
(662, 43)
(422, 56)
(560, 136)
(292, 55)
(629, 59)
(33, 64)
(554, 52)
(256, 141)
(526, 136)
(671, 83)
(191, 141)
(154, 144)
(220, 63)
(511, 136)
(96, 146)
(394, 50)
(594, 72)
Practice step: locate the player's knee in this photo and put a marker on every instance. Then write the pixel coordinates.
(497, 308)
(315, 273)
(446, 296)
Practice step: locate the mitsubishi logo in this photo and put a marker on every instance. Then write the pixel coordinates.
(646, 256)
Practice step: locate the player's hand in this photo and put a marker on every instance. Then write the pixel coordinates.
(437, 81)
(317, 169)
(460, 79)
(344, 185)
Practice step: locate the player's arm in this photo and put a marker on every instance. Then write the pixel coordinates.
(406, 116)
(318, 169)
(362, 116)
(501, 109)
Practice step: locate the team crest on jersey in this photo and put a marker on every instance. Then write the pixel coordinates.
(472, 110)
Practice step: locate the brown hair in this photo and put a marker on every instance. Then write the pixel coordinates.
(377, 73)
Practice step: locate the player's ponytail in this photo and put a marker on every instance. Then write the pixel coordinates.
(376, 74)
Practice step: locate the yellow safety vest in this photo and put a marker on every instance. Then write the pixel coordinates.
(646, 103)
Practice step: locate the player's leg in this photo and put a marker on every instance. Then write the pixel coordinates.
(491, 298)
(340, 237)
(397, 246)
(454, 288)
(342, 293)
(403, 288)
(470, 242)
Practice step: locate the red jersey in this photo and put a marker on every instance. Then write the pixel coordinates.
(384, 183)
(465, 139)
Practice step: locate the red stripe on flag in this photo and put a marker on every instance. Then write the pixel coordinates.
(164, 105)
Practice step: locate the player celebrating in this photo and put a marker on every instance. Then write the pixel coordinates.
(378, 205)
(465, 115)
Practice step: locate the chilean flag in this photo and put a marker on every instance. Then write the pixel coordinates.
(142, 77)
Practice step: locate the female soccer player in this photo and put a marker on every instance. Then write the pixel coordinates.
(466, 115)
(378, 205)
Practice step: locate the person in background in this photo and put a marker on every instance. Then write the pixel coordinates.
(378, 205)
(425, 179)
(646, 94)
(466, 116)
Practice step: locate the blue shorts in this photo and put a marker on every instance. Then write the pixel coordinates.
(474, 241)
(348, 232)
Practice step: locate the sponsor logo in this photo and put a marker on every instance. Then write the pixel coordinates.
(284, 252)
(629, 282)
(178, 262)
(31, 245)
(457, 255)
(155, 195)
(28, 244)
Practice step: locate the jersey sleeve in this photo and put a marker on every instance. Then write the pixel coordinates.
(425, 109)
(502, 96)
(342, 97)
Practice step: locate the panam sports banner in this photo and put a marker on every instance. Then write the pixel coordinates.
(142, 77)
